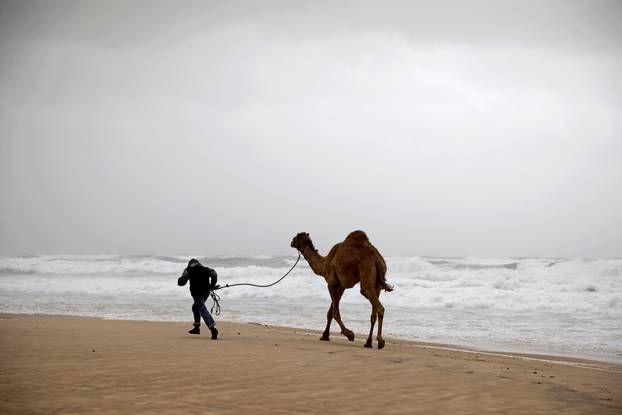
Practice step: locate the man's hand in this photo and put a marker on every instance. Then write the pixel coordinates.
(181, 281)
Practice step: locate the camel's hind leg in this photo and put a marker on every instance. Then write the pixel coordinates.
(335, 294)
(372, 319)
(372, 292)
(380, 310)
(329, 318)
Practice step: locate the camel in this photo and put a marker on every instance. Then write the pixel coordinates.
(349, 262)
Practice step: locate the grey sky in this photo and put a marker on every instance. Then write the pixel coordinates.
(440, 128)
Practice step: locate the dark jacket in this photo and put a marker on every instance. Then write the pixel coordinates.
(202, 279)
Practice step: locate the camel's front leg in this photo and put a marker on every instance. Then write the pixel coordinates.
(329, 319)
(335, 294)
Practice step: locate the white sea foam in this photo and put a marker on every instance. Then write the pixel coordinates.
(562, 305)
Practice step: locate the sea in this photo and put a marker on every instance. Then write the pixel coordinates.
(564, 307)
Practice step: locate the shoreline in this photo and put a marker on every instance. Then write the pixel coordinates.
(491, 349)
(74, 364)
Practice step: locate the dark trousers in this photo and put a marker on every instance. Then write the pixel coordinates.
(199, 310)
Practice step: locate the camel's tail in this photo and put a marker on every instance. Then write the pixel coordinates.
(381, 270)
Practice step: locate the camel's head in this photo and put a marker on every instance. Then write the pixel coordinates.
(301, 241)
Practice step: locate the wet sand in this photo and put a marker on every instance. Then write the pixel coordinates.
(68, 365)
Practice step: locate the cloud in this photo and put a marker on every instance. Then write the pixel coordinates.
(226, 129)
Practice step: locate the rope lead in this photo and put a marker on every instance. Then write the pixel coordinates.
(216, 297)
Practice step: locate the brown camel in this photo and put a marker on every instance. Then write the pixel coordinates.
(349, 262)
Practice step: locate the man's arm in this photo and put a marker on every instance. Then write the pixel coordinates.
(181, 281)
(213, 279)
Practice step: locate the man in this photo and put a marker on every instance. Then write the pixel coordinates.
(202, 281)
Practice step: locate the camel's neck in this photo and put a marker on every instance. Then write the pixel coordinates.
(315, 260)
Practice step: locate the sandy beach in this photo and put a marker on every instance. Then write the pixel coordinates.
(77, 365)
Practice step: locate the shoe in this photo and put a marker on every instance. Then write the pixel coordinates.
(195, 330)
(214, 331)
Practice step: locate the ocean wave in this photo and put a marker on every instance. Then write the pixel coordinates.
(117, 264)
(434, 298)
(474, 266)
(528, 284)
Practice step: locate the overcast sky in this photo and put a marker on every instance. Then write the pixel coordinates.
(440, 128)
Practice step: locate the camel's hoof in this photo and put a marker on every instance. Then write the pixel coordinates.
(380, 344)
(349, 334)
(324, 338)
(367, 344)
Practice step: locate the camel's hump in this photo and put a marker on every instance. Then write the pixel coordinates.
(356, 236)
